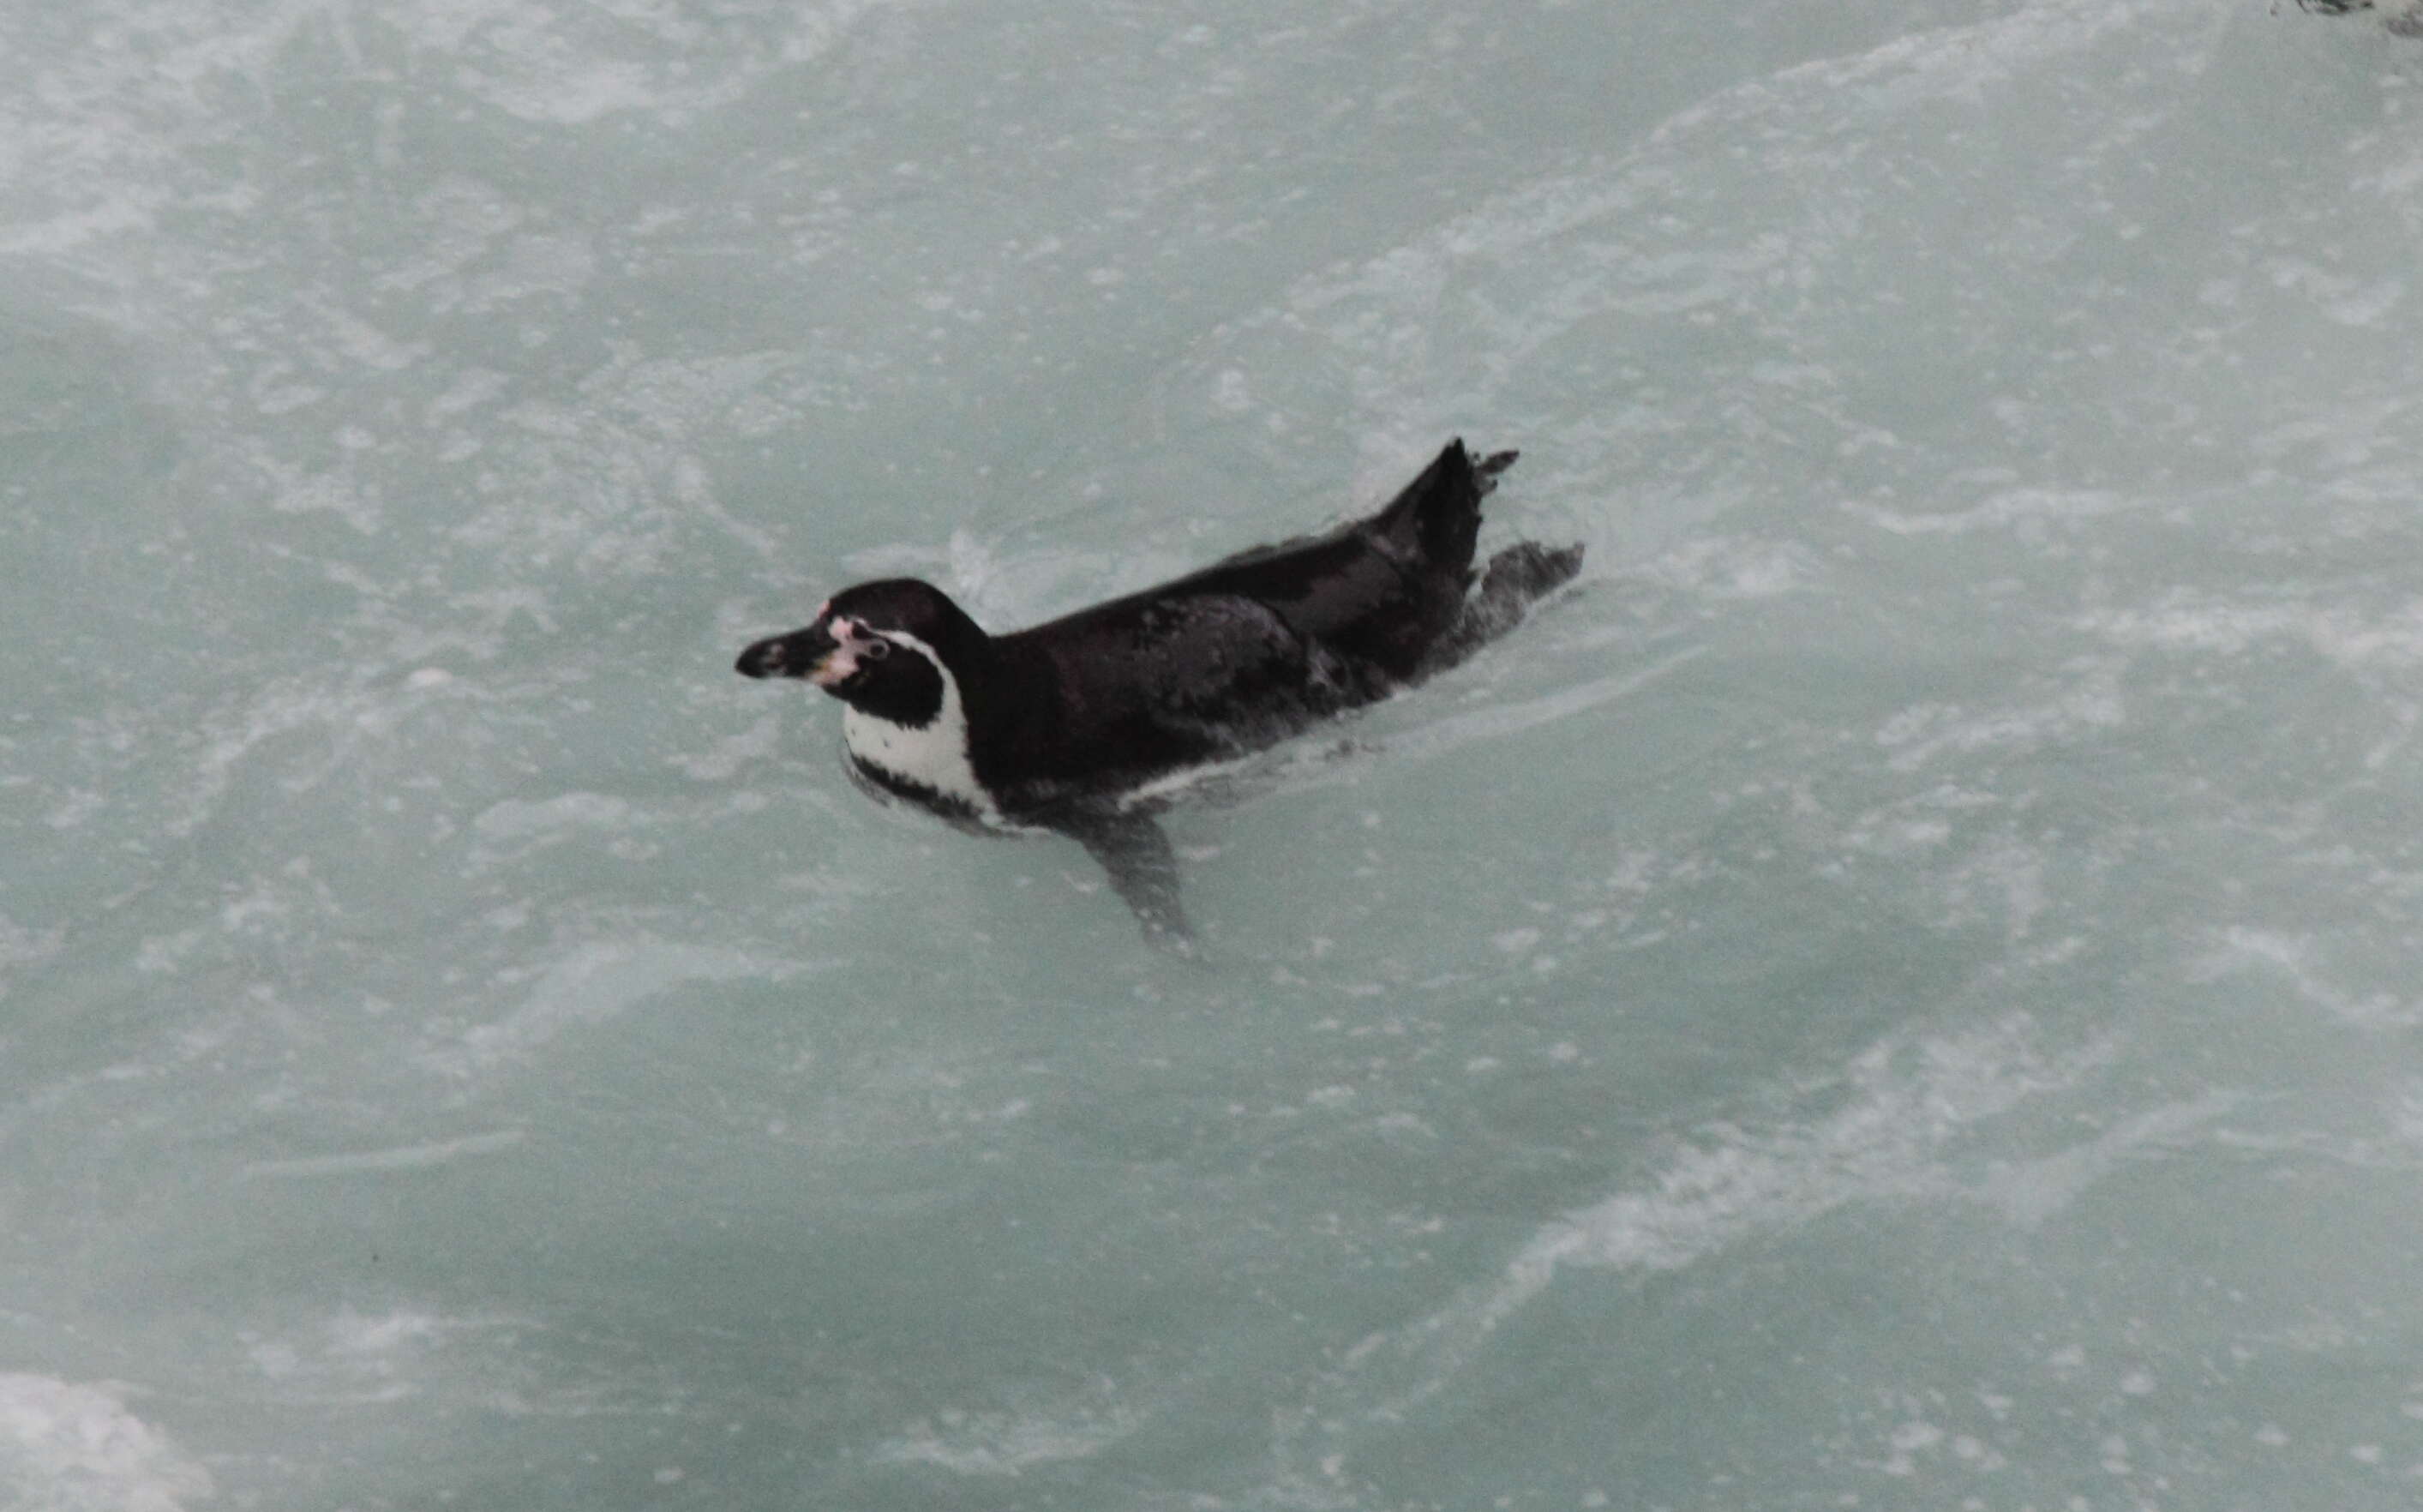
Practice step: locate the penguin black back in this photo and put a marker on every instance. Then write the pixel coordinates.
(1383, 593)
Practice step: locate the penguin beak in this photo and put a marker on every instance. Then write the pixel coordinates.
(809, 653)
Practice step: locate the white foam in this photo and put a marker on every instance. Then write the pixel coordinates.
(71, 1448)
(726, 758)
(562, 66)
(2089, 703)
(1909, 1100)
(1727, 567)
(2293, 955)
(1007, 1443)
(515, 818)
(2026, 511)
(396, 1158)
(1497, 720)
(2187, 620)
(596, 981)
(2030, 1191)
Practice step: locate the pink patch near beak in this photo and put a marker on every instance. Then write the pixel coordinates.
(841, 661)
(835, 668)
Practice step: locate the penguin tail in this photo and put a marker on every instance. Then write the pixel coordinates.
(1439, 512)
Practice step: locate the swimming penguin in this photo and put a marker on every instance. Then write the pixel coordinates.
(1060, 726)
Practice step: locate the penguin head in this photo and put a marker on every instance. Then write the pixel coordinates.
(882, 647)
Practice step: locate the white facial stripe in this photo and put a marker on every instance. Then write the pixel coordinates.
(935, 757)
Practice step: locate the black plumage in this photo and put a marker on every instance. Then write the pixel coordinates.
(1058, 725)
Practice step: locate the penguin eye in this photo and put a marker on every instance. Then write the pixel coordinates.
(876, 649)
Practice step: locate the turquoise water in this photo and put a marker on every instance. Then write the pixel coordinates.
(1898, 990)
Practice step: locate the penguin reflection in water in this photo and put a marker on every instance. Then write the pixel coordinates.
(1066, 725)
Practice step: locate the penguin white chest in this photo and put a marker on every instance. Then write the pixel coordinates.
(932, 756)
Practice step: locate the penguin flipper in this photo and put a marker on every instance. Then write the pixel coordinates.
(1143, 869)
